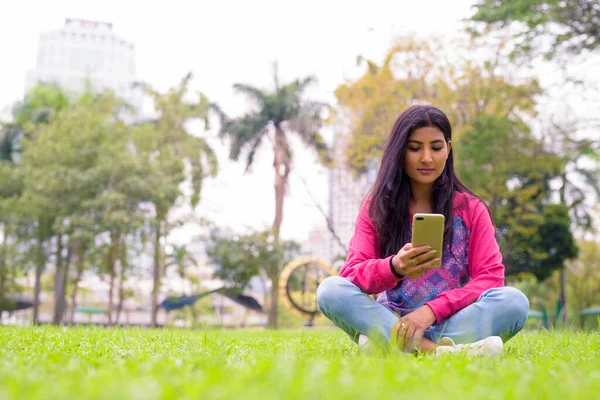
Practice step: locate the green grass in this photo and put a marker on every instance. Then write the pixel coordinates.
(57, 363)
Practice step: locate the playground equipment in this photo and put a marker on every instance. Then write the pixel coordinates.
(298, 286)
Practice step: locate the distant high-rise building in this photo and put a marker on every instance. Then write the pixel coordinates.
(86, 53)
(318, 244)
(346, 194)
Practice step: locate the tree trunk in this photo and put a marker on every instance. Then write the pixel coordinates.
(110, 295)
(282, 170)
(39, 268)
(112, 259)
(57, 316)
(274, 308)
(563, 294)
(60, 283)
(156, 271)
(281, 164)
(563, 188)
(79, 267)
(121, 292)
(3, 264)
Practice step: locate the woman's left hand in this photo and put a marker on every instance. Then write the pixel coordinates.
(411, 326)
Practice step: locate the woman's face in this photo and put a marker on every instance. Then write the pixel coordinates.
(425, 155)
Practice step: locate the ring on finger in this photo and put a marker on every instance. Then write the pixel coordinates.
(414, 263)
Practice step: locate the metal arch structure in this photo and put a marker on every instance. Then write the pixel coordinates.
(298, 284)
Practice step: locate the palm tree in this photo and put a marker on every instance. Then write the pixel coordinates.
(278, 113)
(168, 151)
(181, 258)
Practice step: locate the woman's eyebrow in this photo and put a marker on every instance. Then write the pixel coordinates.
(416, 141)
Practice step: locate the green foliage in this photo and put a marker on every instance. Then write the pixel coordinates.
(240, 257)
(52, 363)
(282, 110)
(285, 108)
(583, 284)
(276, 114)
(534, 234)
(582, 288)
(570, 25)
(181, 258)
(420, 71)
(86, 178)
(168, 147)
(537, 243)
(10, 135)
(171, 138)
(584, 275)
(164, 167)
(11, 188)
(24, 227)
(41, 104)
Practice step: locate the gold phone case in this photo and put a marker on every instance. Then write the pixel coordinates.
(428, 229)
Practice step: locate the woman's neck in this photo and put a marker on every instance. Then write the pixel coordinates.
(420, 198)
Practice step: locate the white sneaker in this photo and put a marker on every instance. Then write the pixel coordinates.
(491, 346)
(364, 345)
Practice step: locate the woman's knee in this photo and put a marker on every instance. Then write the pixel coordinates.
(331, 292)
(514, 303)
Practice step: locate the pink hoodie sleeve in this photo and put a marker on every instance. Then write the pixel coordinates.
(363, 267)
(485, 266)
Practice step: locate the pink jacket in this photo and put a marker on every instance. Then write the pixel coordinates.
(483, 260)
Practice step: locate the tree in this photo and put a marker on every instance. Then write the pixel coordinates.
(277, 114)
(421, 71)
(81, 167)
(57, 161)
(11, 188)
(9, 138)
(181, 258)
(169, 147)
(570, 25)
(580, 172)
(534, 234)
(584, 278)
(34, 222)
(241, 257)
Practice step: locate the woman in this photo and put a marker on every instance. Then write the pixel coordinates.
(420, 307)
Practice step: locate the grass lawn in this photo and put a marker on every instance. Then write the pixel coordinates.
(89, 363)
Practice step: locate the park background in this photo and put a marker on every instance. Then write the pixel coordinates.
(153, 152)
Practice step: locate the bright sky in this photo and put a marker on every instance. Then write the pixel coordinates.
(224, 42)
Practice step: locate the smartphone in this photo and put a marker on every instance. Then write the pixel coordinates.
(428, 229)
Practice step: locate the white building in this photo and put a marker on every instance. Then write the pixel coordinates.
(86, 52)
(318, 244)
(346, 194)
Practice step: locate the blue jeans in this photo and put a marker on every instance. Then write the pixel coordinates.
(497, 312)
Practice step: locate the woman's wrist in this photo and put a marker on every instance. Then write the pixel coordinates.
(393, 268)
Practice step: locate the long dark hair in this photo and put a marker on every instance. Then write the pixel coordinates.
(391, 192)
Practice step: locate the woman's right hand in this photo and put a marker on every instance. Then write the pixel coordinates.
(414, 261)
